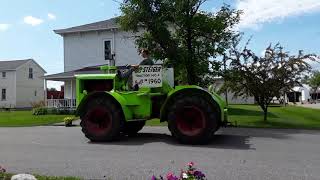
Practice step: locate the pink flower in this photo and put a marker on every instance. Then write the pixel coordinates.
(171, 176)
(2, 170)
(191, 164)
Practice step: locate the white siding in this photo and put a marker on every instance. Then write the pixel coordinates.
(26, 87)
(231, 99)
(87, 49)
(9, 84)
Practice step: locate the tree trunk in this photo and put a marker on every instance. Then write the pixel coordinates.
(265, 114)
(264, 108)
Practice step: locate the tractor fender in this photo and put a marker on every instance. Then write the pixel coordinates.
(114, 96)
(180, 90)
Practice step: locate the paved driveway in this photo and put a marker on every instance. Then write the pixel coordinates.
(244, 154)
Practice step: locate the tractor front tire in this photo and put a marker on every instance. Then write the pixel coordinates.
(133, 127)
(192, 119)
(102, 120)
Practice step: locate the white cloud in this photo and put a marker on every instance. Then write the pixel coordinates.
(52, 16)
(258, 12)
(33, 21)
(4, 27)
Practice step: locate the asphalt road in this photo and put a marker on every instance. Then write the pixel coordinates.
(244, 154)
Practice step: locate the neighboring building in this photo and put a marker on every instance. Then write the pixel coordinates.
(230, 96)
(92, 45)
(21, 83)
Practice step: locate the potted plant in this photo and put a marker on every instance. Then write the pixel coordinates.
(68, 121)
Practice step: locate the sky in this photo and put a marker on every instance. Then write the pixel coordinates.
(26, 27)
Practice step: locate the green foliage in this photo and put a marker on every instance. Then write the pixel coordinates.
(314, 80)
(53, 111)
(39, 111)
(180, 34)
(264, 77)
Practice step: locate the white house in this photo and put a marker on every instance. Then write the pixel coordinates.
(21, 83)
(88, 46)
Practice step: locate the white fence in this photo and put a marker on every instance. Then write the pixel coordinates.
(61, 103)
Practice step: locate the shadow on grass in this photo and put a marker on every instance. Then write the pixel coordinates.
(248, 112)
(220, 141)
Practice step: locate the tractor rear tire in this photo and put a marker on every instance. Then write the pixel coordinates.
(192, 119)
(132, 128)
(102, 120)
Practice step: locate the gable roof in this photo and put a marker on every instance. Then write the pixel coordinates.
(12, 65)
(15, 64)
(101, 25)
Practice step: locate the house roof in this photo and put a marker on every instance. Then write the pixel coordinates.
(101, 25)
(12, 65)
(71, 74)
(15, 64)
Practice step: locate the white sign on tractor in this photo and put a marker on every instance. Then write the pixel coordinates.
(148, 76)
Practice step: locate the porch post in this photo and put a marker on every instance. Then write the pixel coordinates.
(71, 89)
(45, 91)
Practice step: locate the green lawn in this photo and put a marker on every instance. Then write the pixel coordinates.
(7, 176)
(25, 118)
(278, 117)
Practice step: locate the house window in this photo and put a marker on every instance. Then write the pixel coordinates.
(4, 74)
(30, 73)
(3, 94)
(35, 93)
(107, 50)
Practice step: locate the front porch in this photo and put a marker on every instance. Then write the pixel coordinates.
(69, 94)
(61, 103)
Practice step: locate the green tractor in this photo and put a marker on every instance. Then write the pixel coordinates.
(109, 108)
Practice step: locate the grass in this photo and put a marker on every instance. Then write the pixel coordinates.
(7, 176)
(26, 119)
(278, 117)
(156, 122)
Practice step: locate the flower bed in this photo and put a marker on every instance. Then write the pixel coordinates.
(191, 173)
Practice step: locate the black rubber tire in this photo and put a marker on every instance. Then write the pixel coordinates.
(178, 113)
(133, 127)
(102, 120)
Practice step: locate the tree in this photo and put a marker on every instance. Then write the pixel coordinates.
(314, 82)
(264, 77)
(180, 34)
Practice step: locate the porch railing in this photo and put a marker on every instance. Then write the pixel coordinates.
(61, 103)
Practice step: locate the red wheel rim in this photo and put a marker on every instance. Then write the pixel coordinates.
(190, 120)
(98, 121)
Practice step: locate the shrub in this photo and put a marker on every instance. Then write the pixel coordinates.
(39, 111)
(190, 174)
(52, 111)
(38, 104)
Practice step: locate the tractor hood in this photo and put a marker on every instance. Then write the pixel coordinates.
(96, 76)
